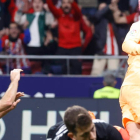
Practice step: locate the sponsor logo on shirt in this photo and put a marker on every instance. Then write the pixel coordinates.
(133, 32)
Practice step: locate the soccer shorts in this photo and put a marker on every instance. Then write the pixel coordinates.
(130, 104)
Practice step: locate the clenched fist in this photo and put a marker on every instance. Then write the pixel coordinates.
(15, 74)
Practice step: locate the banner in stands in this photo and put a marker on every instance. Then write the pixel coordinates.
(67, 87)
(32, 118)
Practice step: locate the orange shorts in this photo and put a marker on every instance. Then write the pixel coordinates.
(130, 104)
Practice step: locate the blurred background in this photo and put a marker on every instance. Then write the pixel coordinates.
(71, 53)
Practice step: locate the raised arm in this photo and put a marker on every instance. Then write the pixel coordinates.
(10, 95)
(19, 18)
(130, 44)
(118, 18)
(101, 14)
(56, 12)
(77, 11)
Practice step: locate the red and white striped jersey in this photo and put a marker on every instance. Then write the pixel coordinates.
(111, 47)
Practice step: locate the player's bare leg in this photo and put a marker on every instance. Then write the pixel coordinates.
(133, 130)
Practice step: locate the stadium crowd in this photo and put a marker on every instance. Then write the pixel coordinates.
(64, 27)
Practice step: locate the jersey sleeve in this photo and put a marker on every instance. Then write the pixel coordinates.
(56, 12)
(130, 18)
(131, 43)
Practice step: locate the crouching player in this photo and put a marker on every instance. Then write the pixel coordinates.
(79, 125)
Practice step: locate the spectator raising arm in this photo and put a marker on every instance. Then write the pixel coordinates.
(77, 11)
(10, 95)
(19, 18)
(102, 12)
(119, 19)
(56, 12)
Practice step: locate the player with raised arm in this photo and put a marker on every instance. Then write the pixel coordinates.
(11, 97)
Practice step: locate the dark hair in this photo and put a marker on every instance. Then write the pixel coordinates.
(109, 80)
(76, 117)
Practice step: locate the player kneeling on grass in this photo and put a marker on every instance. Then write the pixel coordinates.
(79, 125)
(11, 97)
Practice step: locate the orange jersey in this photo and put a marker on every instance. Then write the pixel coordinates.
(131, 46)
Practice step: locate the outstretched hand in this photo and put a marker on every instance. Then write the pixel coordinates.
(17, 100)
(15, 74)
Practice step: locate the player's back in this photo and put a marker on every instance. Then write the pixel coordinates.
(131, 45)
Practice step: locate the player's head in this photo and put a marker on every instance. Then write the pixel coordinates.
(109, 80)
(79, 124)
(38, 5)
(14, 30)
(66, 6)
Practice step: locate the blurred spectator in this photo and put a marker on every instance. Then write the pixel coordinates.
(25, 5)
(42, 42)
(133, 5)
(123, 4)
(36, 24)
(88, 7)
(86, 27)
(13, 45)
(7, 9)
(108, 91)
(125, 20)
(69, 41)
(90, 48)
(121, 18)
(106, 39)
(1, 16)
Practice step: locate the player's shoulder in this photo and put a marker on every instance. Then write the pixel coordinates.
(101, 128)
(101, 125)
(57, 126)
(58, 131)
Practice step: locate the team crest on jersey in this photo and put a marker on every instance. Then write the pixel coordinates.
(133, 32)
